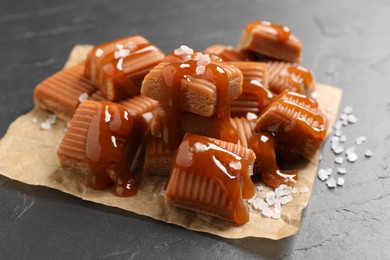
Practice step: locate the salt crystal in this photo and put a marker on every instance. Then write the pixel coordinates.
(360, 140)
(203, 59)
(199, 147)
(345, 122)
(294, 190)
(34, 120)
(342, 170)
(148, 116)
(251, 116)
(51, 119)
(267, 212)
(305, 190)
(339, 160)
(344, 116)
(331, 183)
(99, 52)
(119, 65)
(162, 193)
(260, 188)
(338, 149)
(343, 139)
(323, 175)
(352, 157)
(183, 50)
(350, 150)
(286, 199)
(131, 45)
(338, 124)
(200, 70)
(119, 46)
(334, 139)
(340, 181)
(270, 200)
(314, 95)
(348, 110)
(45, 125)
(276, 215)
(368, 154)
(185, 65)
(352, 119)
(338, 133)
(83, 97)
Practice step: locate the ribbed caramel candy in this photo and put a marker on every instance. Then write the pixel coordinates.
(118, 68)
(271, 40)
(60, 93)
(209, 178)
(226, 53)
(297, 123)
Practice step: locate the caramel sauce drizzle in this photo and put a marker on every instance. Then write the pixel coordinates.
(263, 144)
(184, 67)
(109, 135)
(283, 32)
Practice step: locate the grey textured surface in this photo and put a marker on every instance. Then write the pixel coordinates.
(346, 44)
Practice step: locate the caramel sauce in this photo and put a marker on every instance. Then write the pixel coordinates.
(201, 156)
(109, 135)
(282, 32)
(303, 73)
(184, 67)
(263, 144)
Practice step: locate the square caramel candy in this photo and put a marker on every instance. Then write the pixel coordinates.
(118, 68)
(226, 53)
(297, 123)
(101, 142)
(62, 92)
(158, 158)
(275, 41)
(192, 81)
(255, 94)
(211, 177)
(289, 76)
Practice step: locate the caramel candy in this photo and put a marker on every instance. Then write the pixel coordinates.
(61, 92)
(197, 94)
(118, 68)
(271, 40)
(166, 86)
(297, 123)
(263, 145)
(158, 158)
(209, 178)
(226, 53)
(255, 94)
(289, 76)
(101, 142)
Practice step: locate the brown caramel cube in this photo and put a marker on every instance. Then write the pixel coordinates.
(297, 123)
(118, 68)
(289, 76)
(61, 93)
(271, 40)
(211, 177)
(226, 53)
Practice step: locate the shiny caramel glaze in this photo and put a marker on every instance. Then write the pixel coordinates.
(216, 186)
(263, 145)
(181, 67)
(289, 76)
(60, 93)
(101, 141)
(118, 68)
(270, 40)
(297, 123)
(226, 53)
(255, 94)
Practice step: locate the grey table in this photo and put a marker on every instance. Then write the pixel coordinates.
(346, 44)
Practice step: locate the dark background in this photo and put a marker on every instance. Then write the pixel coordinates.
(346, 44)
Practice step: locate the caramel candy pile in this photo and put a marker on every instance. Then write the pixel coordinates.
(211, 121)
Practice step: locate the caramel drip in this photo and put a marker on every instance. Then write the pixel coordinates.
(263, 145)
(173, 73)
(282, 32)
(109, 135)
(218, 168)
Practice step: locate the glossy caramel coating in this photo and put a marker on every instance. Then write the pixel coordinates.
(118, 68)
(297, 123)
(226, 53)
(216, 186)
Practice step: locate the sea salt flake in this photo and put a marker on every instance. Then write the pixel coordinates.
(99, 52)
(340, 181)
(83, 97)
(200, 70)
(251, 116)
(260, 188)
(348, 110)
(342, 170)
(199, 147)
(183, 50)
(294, 190)
(51, 119)
(305, 190)
(267, 212)
(338, 149)
(276, 215)
(119, 65)
(185, 65)
(352, 157)
(331, 183)
(162, 193)
(270, 200)
(323, 175)
(148, 116)
(350, 150)
(339, 160)
(203, 59)
(335, 139)
(119, 46)
(34, 120)
(314, 95)
(344, 116)
(352, 119)
(338, 133)
(286, 199)
(368, 153)
(343, 139)
(360, 140)
(338, 124)
(45, 125)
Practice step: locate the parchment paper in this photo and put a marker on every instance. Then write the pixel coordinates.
(28, 154)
